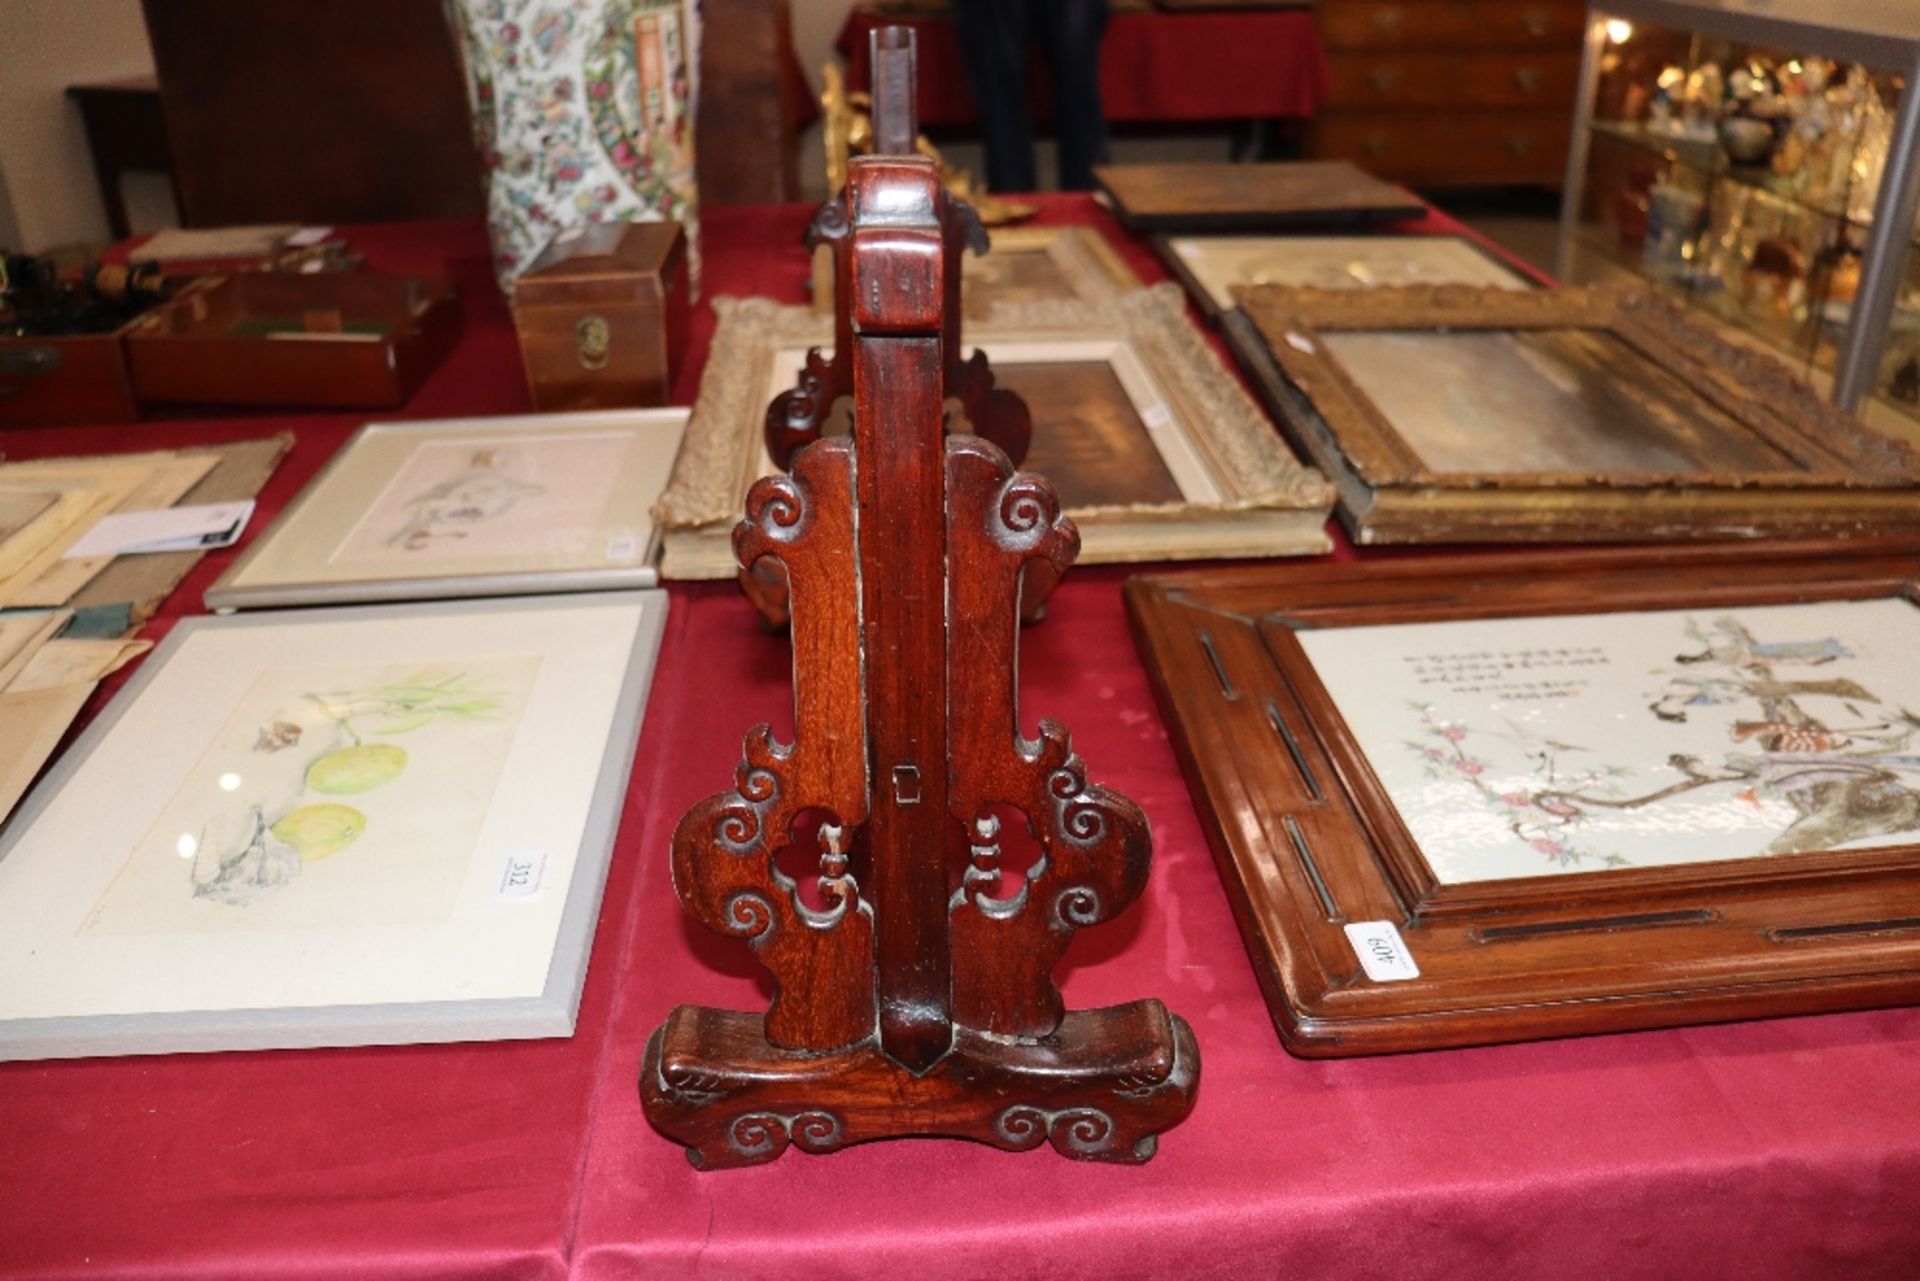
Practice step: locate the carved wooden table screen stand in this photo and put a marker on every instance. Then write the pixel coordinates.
(912, 1000)
(798, 416)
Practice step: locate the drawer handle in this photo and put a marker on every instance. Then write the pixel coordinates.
(1385, 79)
(1535, 23)
(1378, 144)
(24, 362)
(1521, 144)
(1528, 79)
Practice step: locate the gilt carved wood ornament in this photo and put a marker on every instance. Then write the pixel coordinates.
(912, 996)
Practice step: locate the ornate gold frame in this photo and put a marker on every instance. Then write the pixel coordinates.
(1268, 504)
(1848, 481)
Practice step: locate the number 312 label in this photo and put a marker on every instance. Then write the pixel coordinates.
(1383, 953)
(520, 875)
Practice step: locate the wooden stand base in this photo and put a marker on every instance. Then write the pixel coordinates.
(1101, 1088)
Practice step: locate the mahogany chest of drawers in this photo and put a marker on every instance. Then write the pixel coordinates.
(1451, 92)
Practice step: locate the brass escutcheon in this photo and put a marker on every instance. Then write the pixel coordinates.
(591, 339)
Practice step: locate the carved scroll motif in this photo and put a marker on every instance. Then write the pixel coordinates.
(723, 848)
(1095, 846)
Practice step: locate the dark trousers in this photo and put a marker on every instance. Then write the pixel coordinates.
(994, 37)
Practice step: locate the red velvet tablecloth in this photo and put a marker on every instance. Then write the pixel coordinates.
(1259, 64)
(1781, 1149)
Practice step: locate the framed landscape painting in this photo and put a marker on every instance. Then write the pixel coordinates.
(1534, 795)
(1156, 451)
(1459, 414)
(378, 824)
(468, 507)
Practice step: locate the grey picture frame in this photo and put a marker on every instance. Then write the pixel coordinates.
(242, 585)
(549, 1014)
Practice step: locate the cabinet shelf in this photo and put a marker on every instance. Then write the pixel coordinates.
(1756, 232)
(1807, 339)
(1708, 160)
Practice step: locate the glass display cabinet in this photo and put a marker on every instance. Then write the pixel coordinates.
(1756, 159)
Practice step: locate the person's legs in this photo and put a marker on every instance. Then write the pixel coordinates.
(993, 38)
(1074, 29)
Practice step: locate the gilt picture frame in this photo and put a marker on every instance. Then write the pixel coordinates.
(1448, 413)
(1459, 414)
(1132, 411)
(1695, 762)
(382, 824)
(465, 507)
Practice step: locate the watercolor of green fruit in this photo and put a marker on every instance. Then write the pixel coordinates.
(320, 830)
(359, 768)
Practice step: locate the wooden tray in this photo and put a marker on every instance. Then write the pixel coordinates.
(338, 339)
(1330, 855)
(77, 378)
(1256, 197)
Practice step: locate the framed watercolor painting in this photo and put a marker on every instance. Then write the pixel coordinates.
(468, 507)
(1154, 448)
(374, 825)
(1211, 266)
(1457, 414)
(1534, 795)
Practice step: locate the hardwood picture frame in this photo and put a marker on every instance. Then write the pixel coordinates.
(1362, 947)
(370, 825)
(1025, 264)
(1458, 414)
(505, 506)
(1278, 195)
(1200, 471)
(1211, 266)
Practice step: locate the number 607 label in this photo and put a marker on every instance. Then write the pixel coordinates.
(1383, 953)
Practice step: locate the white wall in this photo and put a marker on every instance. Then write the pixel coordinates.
(47, 192)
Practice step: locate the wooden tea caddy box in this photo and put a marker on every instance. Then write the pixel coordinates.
(602, 316)
(343, 340)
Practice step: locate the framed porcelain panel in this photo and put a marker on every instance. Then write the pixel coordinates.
(377, 824)
(1534, 795)
(1518, 747)
(468, 507)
